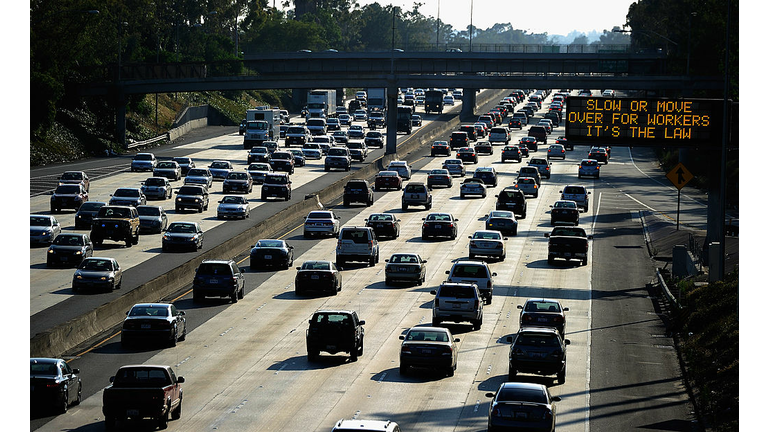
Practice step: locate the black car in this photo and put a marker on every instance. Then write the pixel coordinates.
(335, 331)
(317, 276)
(157, 321)
(537, 350)
(69, 249)
(439, 225)
(564, 211)
(512, 199)
(218, 278)
(515, 123)
(542, 312)
(54, 385)
(276, 185)
(186, 235)
(503, 221)
(271, 253)
(467, 154)
(488, 175)
(86, 212)
(519, 406)
(192, 196)
(259, 154)
(238, 181)
(384, 225)
(440, 147)
(358, 191)
(374, 139)
(69, 196)
(283, 161)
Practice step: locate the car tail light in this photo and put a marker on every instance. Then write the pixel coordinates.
(558, 319)
(488, 285)
(52, 385)
(472, 243)
(406, 350)
(527, 318)
(437, 302)
(496, 412)
(548, 415)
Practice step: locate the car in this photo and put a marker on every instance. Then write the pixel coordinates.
(258, 171)
(374, 139)
(338, 157)
(501, 220)
(598, 154)
(276, 185)
(542, 312)
(357, 244)
(488, 175)
(332, 124)
(116, 223)
(75, 177)
(357, 150)
(335, 331)
(589, 168)
(299, 157)
(141, 391)
(358, 191)
(512, 199)
(356, 131)
(569, 243)
(182, 234)
(192, 196)
(157, 188)
(511, 152)
(564, 142)
(416, 193)
(68, 249)
(471, 132)
(271, 146)
(69, 196)
(530, 143)
(366, 425)
(401, 167)
(185, 164)
(384, 225)
(271, 253)
(388, 180)
(457, 302)
(283, 161)
(546, 124)
(499, 134)
(405, 267)
(345, 119)
(259, 154)
(488, 243)
(467, 154)
(515, 122)
(448, 100)
(439, 224)
(219, 169)
(564, 211)
(578, 193)
(543, 165)
(238, 181)
(234, 207)
(54, 385)
(168, 169)
(102, 273)
(476, 272)
(360, 115)
(537, 350)
(472, 186)
(218, 278)
(440, 147)
(455, 167)
(483, 147)
(522, 406)
(161, 321)
(458, 140)
(429, 347)
(340, 136)
(143, 162)
(299, 135)
(321, 222)
(556, 151)
(528, 186)
(128, 197)
(86, 212)
(152, 219)
(199, 176)
(312, 153)
(529, 171)
(439, 177)
(317, 275)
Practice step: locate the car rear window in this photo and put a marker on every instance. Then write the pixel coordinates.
(415, 188)
(538, 340)
(573, 190)
(456, 291)
(357, 236)
(470, 271)
(214, 269)
(518, 394)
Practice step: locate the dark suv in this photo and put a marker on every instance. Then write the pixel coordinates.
(276, 185)
(512, 199)
(335, 331)
(416, 193)
(540, 351)
(218, 278)
(539, 133)
(458, 140)
(358, 191)
(192, 196)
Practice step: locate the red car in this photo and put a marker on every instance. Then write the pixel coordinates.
(388, 180)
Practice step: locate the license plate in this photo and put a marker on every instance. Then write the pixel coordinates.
(331, 347)
(314, 277)
(438, 226)
(379, 225)
(567, 254)
(537, 355)
(426, 351)
(132, 412)
(64, 259)
(402, 269)
(146, 326)
(542, 319)
(267, 256)
(414, 196)
(213, 281)
(456, 305)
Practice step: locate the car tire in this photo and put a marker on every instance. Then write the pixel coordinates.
(561, 376)
(162, 421)
(176, 414)
(234, 297)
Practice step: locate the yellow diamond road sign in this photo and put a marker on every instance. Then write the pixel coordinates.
(679, 176)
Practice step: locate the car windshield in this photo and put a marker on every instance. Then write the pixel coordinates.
(473, 271)
(452, 162)
(589, 163)
(72, 175)
(189, 190)
(182, 160)
(487, 235)
(214, 269)
(95, 264)
(259, 167)
(69, 240)
(574, 190)
(219, 165)
(153, 311)
(421, 335)
(316, 265)
(166, 165)
(373, 134)
(411, 188)
(296, 130)
(177, 227)
(526, 181)
(141, 377)
(233, 200)
(565, 204)
(542, 306)
(388, 174)
(68, 189)
(500, 214)
(237, 176)
(197, 172)
(269, 244)
(521, 395)
(537, 340)
(356, 235)
(337, 152)
(276, 179)
(143, 157)
(148, 211)
(154, 181)
(43, 369)
(91, 206)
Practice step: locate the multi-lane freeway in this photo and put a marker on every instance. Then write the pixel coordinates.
(245, 364)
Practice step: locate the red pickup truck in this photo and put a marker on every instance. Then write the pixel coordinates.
(143, 391)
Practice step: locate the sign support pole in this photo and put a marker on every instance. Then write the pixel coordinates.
(678, 210)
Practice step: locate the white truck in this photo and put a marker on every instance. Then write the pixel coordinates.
(262, 124)
(321, 103)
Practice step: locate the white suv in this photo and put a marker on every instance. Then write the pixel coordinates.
(357, 244)
(366, 425)
(457, 302)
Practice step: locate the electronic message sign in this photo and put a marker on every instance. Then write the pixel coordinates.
(644, 121)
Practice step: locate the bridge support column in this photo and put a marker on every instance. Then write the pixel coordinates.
(391, 118)
(468, 102)
(120, 104)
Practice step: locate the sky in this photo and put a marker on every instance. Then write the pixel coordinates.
(555, 17)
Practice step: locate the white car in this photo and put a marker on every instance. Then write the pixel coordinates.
(401, 167)
(233, 206)
(201, 176)
(448, 100)
(345, 119)
(487, 243)
(472, 186)
(455, 167)
(321, 222)
(361, 115)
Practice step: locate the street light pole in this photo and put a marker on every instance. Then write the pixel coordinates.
(471, 27)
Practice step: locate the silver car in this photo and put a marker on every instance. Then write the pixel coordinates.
(455, 167)
(152, 218)
(219, 169)
(201, 176)
(98, 273)
(233, 206)
(401, 167)
(488, 243)
(457, 302)
(168, 169)
(258, 171)
(528, 186)
(321, 222)
(157, 188)
(143, 162)
(405, 266)
(472, 186)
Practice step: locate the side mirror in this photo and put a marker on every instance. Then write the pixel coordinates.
(362, 322)
(182, 313)
(433, 292)
(546, 235)
(75, 371)
(457, 340)
(423, 261)
(493, 395)
(111, 379)
(447, 272)
(567, 341)
(180, 379)
(402, 337)
(494, 274)
(565, 309)
(386, 260)
(520, 307)
(556, 399)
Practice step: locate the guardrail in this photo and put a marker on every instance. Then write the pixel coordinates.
(135, 144)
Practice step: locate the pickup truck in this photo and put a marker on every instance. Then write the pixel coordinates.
(568, 243)
(335, 331)
(141, 391)
(118, 223)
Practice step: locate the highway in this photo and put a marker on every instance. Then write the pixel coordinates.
(245, 364)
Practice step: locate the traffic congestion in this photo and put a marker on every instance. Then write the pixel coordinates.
(432, 296)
